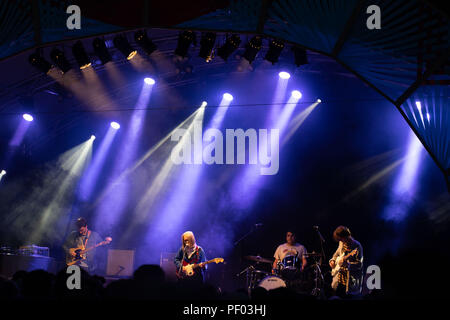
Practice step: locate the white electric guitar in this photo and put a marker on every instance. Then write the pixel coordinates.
(188, 270)
(340, 260)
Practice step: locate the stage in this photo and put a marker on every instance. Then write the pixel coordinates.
(258, 141)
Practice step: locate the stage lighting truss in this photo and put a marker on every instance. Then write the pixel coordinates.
(121, 43)
(101, 51)
(144, 42)
(184, 41)
(252, 48)
(40, 63)
(300, 57)
(60, 60)
(275, 48)
(183, 67)
(231, 44)
(207, 46)
(80, 55)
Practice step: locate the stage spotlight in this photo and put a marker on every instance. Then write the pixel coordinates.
(92, 137)
(115, 125)
(207, 45)
(296, 94)
(284, 75)
(2, 173)
(60, 60)
(121, 43)
(184, 41)
(40, 63)
(231, 44)
(144, 42)
(300, 57)
(149, 81)
(27, 107)
(28, 117)
(101, 51)
(275, 48)
(204, 103)
(228, 96)
(319, 101)
(80, 55)
(252, 48)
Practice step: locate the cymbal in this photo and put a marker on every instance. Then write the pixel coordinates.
(312, 254)
(258, 259)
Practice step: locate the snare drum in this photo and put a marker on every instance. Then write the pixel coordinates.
(272, 282)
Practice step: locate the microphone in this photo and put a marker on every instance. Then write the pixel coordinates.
(317, 229)
(257, 225)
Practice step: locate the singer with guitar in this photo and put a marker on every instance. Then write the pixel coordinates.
(80, 247)
(346, 264)
(190, 261)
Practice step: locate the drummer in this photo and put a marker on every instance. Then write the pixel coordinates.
(289, 249)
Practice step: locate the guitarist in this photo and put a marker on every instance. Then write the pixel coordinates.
(190, 253)
(349, 257)
(85, 238)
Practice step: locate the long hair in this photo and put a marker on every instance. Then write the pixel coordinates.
(190, 236)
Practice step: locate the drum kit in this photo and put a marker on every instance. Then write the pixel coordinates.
(287, 274)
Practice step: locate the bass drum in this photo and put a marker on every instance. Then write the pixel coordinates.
(272, 282)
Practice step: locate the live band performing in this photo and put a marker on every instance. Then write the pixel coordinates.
(224, 150)
(292, 267)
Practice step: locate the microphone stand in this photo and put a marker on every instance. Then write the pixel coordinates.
(181, 263)
(248, 270)
(322, 240)
(317, 291)
(252, 229)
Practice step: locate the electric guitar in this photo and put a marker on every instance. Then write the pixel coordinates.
(340, 260)
(77, 254)
(188, 270)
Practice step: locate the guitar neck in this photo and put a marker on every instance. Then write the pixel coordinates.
(203, 263)
(93, 247)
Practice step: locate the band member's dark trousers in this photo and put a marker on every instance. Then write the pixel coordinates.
(341, 291)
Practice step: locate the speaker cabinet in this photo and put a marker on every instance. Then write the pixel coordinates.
(120, 263)
(166, 263)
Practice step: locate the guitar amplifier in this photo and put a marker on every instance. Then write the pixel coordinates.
(120, 263)
(11, 263)
(166, 263)
(33, 250)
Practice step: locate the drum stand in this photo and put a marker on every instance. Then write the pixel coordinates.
(250, 278)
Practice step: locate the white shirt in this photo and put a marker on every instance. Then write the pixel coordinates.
(285, 249)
